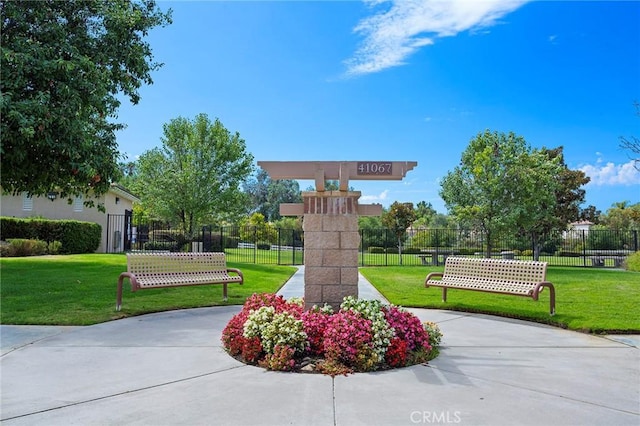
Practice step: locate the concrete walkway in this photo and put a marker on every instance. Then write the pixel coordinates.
(170, 369)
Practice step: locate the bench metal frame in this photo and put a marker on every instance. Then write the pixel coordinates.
(516, 277)
(157, 270)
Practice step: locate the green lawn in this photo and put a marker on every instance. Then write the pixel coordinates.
(81, 290)
(587, 299)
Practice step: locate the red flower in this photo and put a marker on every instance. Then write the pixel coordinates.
(396, 355)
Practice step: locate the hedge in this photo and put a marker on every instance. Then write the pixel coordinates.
(74, 235)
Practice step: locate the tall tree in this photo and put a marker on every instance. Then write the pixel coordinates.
(266, 194)
(64, 63)
(195, 177)
(538, 210)
(544, 219)
(281, 191)
(623, 216)
(399, 218)
(499, 185)
(257, 189)
(425, 213)
(590, 214)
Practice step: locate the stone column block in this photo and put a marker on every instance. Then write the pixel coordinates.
(322, 240)
(340, 223)
(349, 277)
(313, 257)
(312, 222)
(313, 294)
(321, 275)
(333, 295)
(349, 240)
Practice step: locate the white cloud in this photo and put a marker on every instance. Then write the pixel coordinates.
(375, 198)
(392, 35)
(612, 174)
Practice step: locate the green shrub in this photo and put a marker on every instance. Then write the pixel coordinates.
(74, 236)
(377, 250)
(12, 227)
(632, 262)
(435, 238)
(212, 242)
(566, 253)
(79, 237)
(20, 247)
(526, 253)
(600, 238)
(162, 245)
(411, 250)
(170, 235)
(231, 242)
(468, 251)
(54, 247)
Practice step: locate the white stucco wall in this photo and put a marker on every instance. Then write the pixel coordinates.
(12, 206)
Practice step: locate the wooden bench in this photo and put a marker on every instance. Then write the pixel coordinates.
(154, 270)
(516, 277)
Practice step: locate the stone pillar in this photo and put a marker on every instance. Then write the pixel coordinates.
(331, 242)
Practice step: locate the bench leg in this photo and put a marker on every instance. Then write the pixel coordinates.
(224, 292)
(552, 299)
(119, 294)
(444, 294)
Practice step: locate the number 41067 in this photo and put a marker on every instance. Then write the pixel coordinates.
(374, 168)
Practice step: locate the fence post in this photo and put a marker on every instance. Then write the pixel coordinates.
(437, 241)
(362, 247)
(279, 244)
(386, 254)
(584, 249)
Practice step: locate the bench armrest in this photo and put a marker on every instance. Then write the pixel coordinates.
(134, 286)
(237, 271)
(431, 276)
(552, 295)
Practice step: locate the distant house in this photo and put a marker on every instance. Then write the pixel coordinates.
(583, 225)
(118, 201)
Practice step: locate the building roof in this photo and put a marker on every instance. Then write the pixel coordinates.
(582, 222)
(123, 192)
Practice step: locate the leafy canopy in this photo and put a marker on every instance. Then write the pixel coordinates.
(501, 184)
(398, 218)
(267, 194)
(195, 177)
(63, 65)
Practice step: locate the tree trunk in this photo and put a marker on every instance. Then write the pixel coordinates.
(537, 246)
(489, 246)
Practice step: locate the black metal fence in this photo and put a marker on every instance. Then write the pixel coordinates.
(595, 248)
(379, 247)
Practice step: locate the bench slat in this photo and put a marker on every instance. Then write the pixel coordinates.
(169, 280)
(471, 283)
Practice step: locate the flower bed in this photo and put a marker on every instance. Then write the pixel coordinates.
(364, 335)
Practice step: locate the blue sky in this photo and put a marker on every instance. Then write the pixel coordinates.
(403, 81)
